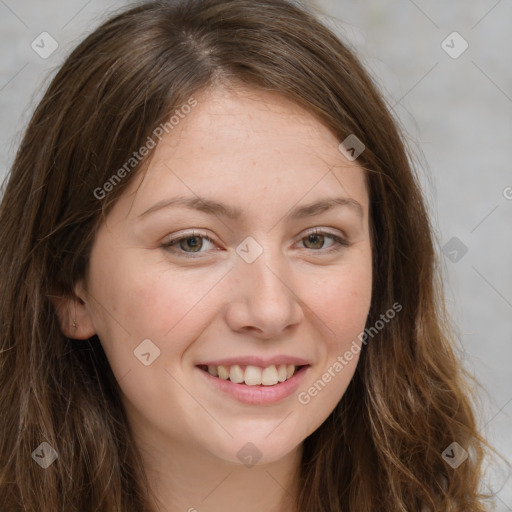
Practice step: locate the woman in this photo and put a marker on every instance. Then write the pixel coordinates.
(218, 277)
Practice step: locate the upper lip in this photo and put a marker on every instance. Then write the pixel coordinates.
(263, 362)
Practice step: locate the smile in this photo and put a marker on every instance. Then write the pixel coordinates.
(257, 385)
(252, 375)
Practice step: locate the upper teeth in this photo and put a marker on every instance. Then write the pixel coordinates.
(253, 375)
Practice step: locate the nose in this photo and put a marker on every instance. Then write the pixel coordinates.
(264, 301)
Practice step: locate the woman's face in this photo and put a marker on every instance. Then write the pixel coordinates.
(248, 292)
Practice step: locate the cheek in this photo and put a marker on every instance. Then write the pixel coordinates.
(140, 298)
(173, 304)
(342, 302)
(345, 306)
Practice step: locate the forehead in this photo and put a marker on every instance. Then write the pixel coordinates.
(241, 144)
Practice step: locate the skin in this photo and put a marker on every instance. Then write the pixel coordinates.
(259, 152)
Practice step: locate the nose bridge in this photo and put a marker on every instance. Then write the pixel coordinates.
(263, 277)
(270, 272)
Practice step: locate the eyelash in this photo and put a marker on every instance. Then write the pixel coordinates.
(341, 243)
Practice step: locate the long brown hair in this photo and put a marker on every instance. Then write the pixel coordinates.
(410, 398)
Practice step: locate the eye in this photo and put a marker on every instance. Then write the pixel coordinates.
(190, 245)
(317, 238)
(192, 241)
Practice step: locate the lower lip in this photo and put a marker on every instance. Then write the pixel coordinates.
(258, 395)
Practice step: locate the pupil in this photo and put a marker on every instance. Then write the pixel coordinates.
(314, 239)
(190, 241)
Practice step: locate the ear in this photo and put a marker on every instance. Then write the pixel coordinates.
(74, 317)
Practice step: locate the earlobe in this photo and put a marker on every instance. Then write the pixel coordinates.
(74, 317)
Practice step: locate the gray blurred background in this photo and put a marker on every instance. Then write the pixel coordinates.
(452, 93)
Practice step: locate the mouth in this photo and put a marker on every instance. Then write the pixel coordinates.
(250, 375)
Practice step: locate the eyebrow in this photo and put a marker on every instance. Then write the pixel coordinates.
(218, 209)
